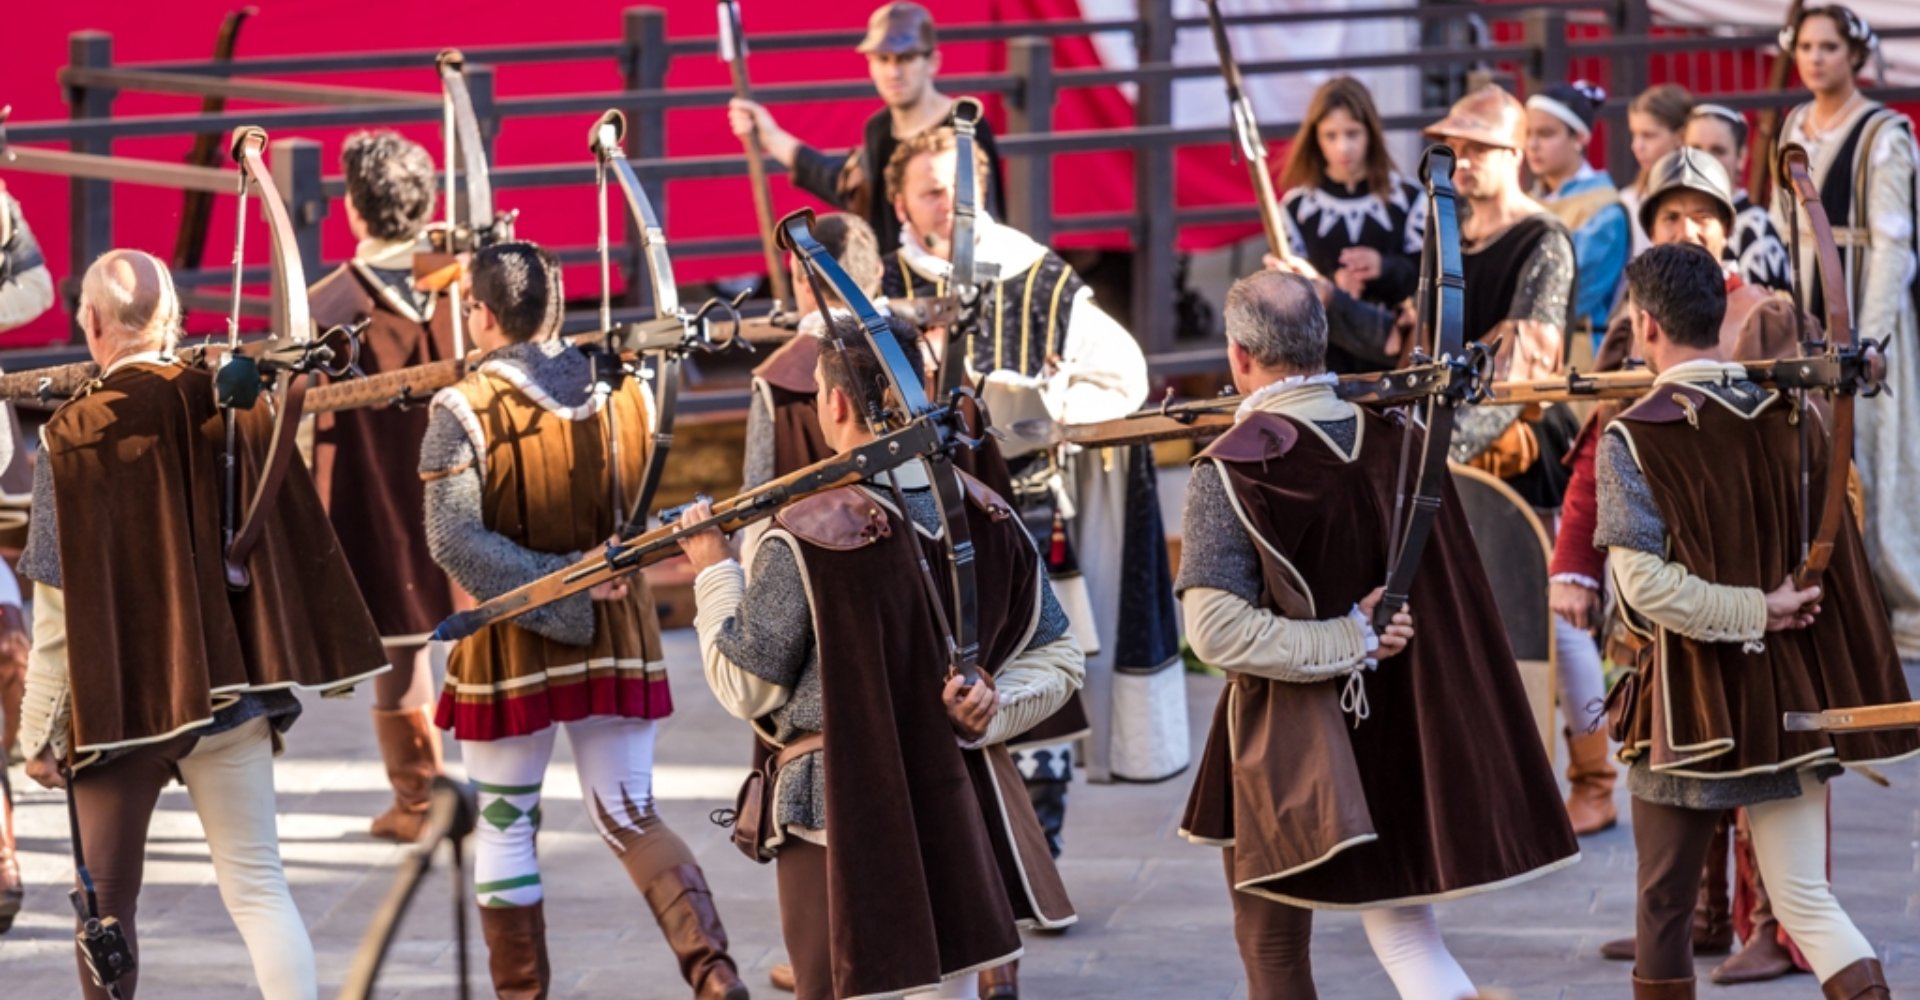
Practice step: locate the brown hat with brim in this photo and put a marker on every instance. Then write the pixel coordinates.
(1489, 115)
(899, 29)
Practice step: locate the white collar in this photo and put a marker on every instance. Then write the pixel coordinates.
(1308, 397)
(388, 255)
(142, 358)
(994, 243)
(1701, 370)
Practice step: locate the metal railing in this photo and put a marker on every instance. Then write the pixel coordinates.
(1030, 85)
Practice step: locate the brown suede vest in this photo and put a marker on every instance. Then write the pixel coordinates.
(366, 463)
(1444, 788)
(155, 639)
(935, 851)
(547, 488)
(1727, 488)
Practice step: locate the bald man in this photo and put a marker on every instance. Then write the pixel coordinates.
(146, 666)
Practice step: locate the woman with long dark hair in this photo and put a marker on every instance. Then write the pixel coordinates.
(1353, 217)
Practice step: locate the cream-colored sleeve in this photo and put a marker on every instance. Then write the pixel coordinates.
(1102, 373)
(1890, 262)
(45, 709)
(1676, 600)
(1033, 687)
(718, 592)
(30, 294)
(1228, 632)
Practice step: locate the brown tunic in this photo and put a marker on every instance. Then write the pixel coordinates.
(156, 642)
(366, 462)
(934, 850)
(1444, 790)
(1713, 709)
(547, 488)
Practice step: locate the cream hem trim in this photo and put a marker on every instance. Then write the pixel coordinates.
(1436, 897)
(1026, 884)
(100, 748)
(1365, 838)
(626, 666)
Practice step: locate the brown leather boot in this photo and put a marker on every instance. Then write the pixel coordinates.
(13, 891)
(1590, 805)
(1863, 980)
(517, 950)
(683, 905)
(1713, 912)
(1002, 982)
(14, 645)
(1662, 989)
(1761, 957)
(410, 747)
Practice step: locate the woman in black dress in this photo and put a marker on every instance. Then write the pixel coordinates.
(1352, 217)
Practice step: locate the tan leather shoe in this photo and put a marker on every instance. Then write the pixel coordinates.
(781, 976)
(1591, 776)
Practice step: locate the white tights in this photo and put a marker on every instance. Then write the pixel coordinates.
(1583, 686)
(1406, 940)
(1790, 846)
(615, 759)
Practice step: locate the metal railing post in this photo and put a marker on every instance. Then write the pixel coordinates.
(296, 167)
(1030, 112)
(480, 91)
(89, 202)
(644, 60)
(1546, 32)
(1630, 18)
(1153, 187)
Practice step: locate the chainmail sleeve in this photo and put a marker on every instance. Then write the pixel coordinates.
(1215, 551)
(1628, 516)
(757, 468)
(40, 560)
(484, 562)
(1544, 295)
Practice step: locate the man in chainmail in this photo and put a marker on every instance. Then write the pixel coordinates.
(1698, 510)
(530, 461)
(797, 640)
(1309, 781)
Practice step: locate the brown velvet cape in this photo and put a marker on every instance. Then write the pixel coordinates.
(366, 463)
(156, 642)
(1444, 790)
(1727, 487)
(933, 852)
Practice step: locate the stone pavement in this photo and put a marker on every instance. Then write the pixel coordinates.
(1154, 918)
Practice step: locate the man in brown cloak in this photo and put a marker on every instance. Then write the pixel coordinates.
(1329, 784)
(1698, 508)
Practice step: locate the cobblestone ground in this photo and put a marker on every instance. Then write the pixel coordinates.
(1154, 918)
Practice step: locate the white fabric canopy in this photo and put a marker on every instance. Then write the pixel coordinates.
(1902, 56)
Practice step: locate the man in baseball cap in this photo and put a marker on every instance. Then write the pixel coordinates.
(902, 58)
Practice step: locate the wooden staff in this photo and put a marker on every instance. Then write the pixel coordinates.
(196, 209)
(733, 49)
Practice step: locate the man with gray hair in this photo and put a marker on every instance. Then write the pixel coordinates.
(1285, 544)
(136, 678)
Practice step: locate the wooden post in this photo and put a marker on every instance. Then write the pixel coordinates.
(1546, 32)
(296, 167)
(1030, 112)
(644, 59)
(89, 202)
(1154, 261)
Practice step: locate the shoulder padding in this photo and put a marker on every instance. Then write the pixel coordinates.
(1665, 404)
(841, 520)
(791, 367)
(1258, 438)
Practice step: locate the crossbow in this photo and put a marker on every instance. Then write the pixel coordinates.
(668, 338)
(920, 431)
(482, 226)
(279, 367)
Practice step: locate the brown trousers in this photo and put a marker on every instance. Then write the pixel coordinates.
(800, 869)
(1672, 844)
(1273, 939)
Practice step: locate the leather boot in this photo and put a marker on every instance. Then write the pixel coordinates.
(683, 905)
(1713, 913)
(1662, 989)
(1761, 956)
(1002, 982)
(14, 645)
(13, 891)
(410, 748)
(1590, 805)
(517, 950)
(1863, 980)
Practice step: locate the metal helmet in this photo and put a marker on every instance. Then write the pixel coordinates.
(1689, 169)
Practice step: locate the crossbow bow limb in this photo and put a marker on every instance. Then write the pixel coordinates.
(963, 281)
(283, 363)
(1842, 362)
(673, 333)
(465, 145)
